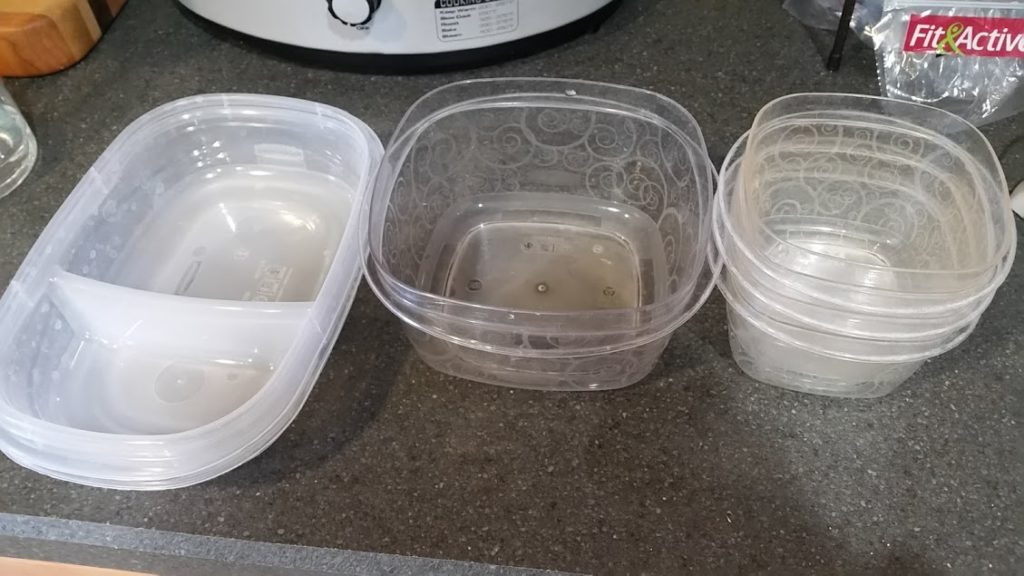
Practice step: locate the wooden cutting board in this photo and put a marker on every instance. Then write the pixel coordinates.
(43, 36)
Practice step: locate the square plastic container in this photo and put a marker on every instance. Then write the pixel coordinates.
(175, 313)
(876, 194)
(547, 234)
(860, 237)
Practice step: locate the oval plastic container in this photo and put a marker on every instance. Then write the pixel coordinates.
(175, 313)
(547, 234)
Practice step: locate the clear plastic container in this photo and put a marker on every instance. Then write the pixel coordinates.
(547, 234)
(875, 291)
(766, 292)
(175, 313)
(877, 193)
(783, 332)
(17, 144)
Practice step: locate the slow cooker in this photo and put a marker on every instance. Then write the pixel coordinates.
(408, 35)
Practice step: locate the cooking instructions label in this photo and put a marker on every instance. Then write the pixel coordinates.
(469, 19)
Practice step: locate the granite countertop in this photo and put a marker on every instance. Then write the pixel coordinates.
(695, 469)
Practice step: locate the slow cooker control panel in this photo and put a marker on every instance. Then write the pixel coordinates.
(353, 12)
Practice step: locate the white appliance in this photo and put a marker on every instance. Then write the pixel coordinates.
(433, 33)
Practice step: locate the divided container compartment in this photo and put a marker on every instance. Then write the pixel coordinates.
(546, 234)
(900, 202)
(175, 313)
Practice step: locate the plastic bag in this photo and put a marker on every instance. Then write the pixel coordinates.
(825, 14)
(964, 56)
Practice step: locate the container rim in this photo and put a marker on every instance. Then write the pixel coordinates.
(740, 306)
(768, 300)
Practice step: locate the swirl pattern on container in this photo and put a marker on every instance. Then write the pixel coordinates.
(546, 150)
(909, 197)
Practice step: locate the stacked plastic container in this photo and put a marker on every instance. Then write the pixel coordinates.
(861, 236)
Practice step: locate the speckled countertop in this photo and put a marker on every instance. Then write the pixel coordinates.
(696, 469)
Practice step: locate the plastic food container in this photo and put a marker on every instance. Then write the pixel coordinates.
(876, 194)
(788, 352)
(839, 331)
(847, 261)
(173, 316)
(783, 291)
(543, 234)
